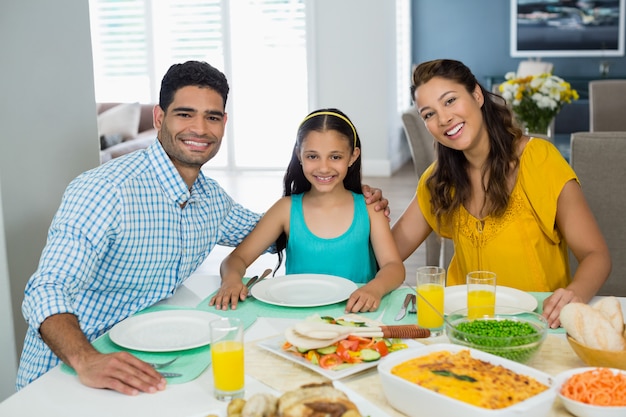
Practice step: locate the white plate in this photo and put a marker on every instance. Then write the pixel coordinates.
(253, 386)
(164, 331)
(275, 344)
(303, 290)
(456, 298)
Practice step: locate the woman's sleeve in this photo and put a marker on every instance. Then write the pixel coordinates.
(543, 174)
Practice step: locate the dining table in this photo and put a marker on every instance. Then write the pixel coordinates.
(60, 393)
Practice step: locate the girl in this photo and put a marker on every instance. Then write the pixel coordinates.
(510, 203)
(322, 220)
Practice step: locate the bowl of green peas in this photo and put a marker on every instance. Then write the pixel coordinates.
(510, 332)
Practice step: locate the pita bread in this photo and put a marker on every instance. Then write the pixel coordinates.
(612, 309)
(316, 400)
(590, 327)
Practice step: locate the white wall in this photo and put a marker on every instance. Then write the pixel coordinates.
(355, 66)
(48, 135)
(8, 368)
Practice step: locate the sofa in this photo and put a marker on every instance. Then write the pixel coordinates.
(124, 128)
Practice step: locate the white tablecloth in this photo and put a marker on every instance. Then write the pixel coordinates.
(60, 394)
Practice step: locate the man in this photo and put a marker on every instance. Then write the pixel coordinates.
(128, 233)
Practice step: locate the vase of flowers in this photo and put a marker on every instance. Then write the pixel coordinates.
(537, 99)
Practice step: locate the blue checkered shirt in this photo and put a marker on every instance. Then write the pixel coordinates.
(120, 242)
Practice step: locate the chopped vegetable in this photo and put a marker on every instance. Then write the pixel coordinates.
(348, 352)
(330, 361)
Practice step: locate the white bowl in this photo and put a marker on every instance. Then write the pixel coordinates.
(417, 401)
(580, 409)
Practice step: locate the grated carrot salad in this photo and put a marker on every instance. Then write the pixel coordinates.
(597, 387)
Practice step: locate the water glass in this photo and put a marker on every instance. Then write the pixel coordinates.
(431, 281)
(481, 294)
(227, 358)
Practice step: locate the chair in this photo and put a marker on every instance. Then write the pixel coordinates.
(607, 99)
(422, 146)
(598, 160)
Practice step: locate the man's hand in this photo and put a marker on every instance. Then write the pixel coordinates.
(121, 372)
(375, 196)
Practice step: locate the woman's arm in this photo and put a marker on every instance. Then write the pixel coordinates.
(581, 232)
(234, 266)
(391, 271)
(410, 230)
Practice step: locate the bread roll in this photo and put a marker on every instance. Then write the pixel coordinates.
(612, 309)
(590, 327)
(315, 400)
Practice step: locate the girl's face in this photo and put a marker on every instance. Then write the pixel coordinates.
(452, 115)
(325, 158)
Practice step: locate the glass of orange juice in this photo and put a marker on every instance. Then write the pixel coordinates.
(227, 358)
(430, 283)
(481, 294)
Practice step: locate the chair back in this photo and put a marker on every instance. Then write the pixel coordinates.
(598, 160)
(607, 100)
(439, 251)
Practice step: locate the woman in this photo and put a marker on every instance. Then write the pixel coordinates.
(510, 203)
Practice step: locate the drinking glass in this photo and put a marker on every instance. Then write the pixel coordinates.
(227, 358)
(430, 284)
(481, 294)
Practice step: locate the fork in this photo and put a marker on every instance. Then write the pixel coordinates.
(413, 309)
(164, 364)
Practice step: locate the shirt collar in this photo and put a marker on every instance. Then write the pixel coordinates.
(170, 180)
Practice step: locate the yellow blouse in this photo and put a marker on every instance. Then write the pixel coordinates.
(523, 246)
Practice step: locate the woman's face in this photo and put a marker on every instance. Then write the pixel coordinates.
(452, 115)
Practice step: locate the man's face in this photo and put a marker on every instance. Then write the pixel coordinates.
(192, 127)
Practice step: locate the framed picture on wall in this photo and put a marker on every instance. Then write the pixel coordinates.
(567, 28)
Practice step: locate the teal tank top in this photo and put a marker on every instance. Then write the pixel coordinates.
(349, 255)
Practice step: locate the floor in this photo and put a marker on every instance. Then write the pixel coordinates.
(258, 190)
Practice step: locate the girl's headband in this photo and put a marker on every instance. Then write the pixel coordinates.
(332, 113)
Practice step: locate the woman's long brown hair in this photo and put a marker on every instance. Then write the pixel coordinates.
(449, 183)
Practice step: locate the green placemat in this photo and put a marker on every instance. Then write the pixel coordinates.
(190, 363)
(252, 307)
(396, 298)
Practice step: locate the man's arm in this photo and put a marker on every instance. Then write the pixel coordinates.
(119, 371)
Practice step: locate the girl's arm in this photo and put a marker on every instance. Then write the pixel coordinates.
(234, 266)
(391, 273)
(583, 236)
(410, 230)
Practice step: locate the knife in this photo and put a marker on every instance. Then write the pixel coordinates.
(402, 311)
(170, 374)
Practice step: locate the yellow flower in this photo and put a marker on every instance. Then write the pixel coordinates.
(537, 99)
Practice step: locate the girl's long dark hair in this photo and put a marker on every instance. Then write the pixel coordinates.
(294, 181)
(449, 183)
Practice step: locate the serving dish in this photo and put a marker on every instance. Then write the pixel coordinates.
(303, 290)
(598, 357)
(274, 345)
(164, 331)
(520, 348)
(581, 409)
(455, 298)
(417, 401)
